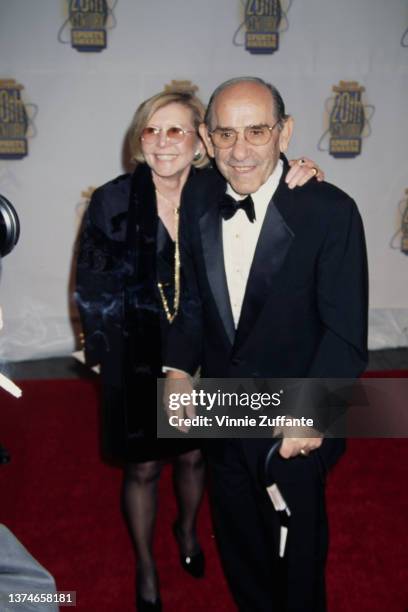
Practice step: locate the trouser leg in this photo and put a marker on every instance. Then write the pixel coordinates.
(247, 529)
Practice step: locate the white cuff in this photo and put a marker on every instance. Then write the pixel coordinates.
(169, 369)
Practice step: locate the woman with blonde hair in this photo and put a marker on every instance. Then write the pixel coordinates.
(127, 294)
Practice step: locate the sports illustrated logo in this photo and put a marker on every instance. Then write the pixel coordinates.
(89, 21)
(14, 120)
(400, 238)
(264, 20)
(348, 117)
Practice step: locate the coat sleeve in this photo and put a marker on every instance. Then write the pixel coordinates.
(342, 302)
(342, 297)
(99, 280)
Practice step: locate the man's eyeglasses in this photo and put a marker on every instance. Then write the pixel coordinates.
(258, 135)
(174, 134)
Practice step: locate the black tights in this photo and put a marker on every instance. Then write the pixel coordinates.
(139, 499)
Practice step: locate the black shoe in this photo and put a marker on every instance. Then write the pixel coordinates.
(4, 455)
(142, 605)
(193, 564)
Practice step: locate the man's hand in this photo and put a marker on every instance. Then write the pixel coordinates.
(298, 441)
(291, 447)
(177, 384)
(301, 171)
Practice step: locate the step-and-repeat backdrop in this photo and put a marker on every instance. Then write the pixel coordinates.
(72, 73)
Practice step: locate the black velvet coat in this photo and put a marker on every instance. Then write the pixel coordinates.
(124, 251)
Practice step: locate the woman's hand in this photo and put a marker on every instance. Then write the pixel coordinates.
(178, 387)
(301, 171)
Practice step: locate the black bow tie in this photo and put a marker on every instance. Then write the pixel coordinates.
(229, 207)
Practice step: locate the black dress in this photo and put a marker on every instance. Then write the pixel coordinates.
(124, 250)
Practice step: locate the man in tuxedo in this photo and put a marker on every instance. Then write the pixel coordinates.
(273, 286)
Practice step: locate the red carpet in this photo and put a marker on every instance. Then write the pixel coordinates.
(61, 501)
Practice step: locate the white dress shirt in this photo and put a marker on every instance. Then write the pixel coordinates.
(240, 238)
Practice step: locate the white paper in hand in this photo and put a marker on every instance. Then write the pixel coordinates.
(277, 498)
(282, 541)
(281, 506)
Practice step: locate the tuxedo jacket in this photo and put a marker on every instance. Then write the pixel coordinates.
(304, 312)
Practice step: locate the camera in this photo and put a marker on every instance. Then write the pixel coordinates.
(9, 227)
(9, 235)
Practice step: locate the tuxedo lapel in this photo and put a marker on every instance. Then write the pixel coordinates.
(211, 235)
(274, 242)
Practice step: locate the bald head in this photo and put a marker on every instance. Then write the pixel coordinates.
(275, 97)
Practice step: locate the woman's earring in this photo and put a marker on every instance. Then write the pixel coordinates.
(197, 156)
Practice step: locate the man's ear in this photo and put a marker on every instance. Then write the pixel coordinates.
(286, 134)
(203, 131)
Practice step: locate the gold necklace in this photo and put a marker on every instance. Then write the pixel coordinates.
(164, 197)
(176, 300)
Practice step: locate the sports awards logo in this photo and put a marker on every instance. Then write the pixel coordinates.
(400, 239)
(263, 20)
(348, 118)
(89, 22)
(14, 120)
